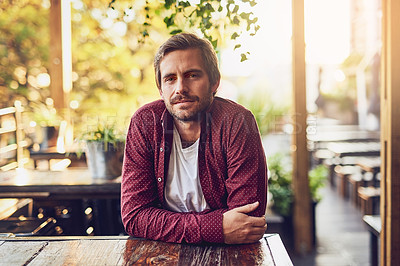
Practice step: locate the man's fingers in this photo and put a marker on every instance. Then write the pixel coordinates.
(257, 221)
(248, 207)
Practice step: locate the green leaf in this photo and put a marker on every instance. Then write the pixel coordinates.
(243, 57)
(235, 20)
(245, 15)
(220, 8)
(111, 3)
(209, 8)
(206, 22)
(234, 36)
(174, 32)
(184, 4)
(235, 9)
(168, 3)
(169, 21)
(237, 46)
(214, 43)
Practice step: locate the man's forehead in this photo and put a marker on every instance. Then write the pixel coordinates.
(186, 58)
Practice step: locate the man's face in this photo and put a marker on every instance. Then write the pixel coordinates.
(185, 86)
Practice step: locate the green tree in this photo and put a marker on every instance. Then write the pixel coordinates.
(24, 51)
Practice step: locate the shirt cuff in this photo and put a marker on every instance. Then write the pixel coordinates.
(211, 227)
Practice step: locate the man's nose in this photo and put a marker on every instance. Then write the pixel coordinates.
(180, 86)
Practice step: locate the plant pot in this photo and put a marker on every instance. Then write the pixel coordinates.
(49, 136)
(104, 162)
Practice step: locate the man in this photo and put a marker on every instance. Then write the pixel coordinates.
(194, 167)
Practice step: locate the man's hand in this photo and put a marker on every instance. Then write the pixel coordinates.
(240, 228)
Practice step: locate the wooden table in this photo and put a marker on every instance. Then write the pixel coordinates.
(342, 149)
(52, 153)
(68, 184)
(374, 225)
(127, 251)
(342, 135)
(66, 196)
(371, 165)
(321, 136)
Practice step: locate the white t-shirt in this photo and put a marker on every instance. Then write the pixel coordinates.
(183, 190)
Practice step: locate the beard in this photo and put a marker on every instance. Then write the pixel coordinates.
(195, 111)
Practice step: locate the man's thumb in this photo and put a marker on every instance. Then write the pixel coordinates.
(248, 207)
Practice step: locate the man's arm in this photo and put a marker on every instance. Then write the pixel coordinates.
(246, 183)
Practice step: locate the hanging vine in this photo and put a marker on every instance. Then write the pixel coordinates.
(215, 19)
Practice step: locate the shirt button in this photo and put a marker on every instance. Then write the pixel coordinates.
(159, 179)
(161, 149)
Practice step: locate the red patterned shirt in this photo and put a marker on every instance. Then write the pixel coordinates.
(232, 172)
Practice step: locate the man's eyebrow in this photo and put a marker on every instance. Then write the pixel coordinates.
(168, 75)
(195, 70)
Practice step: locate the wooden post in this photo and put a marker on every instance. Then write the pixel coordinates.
(390, 135)
(302, 200)
(60, 51)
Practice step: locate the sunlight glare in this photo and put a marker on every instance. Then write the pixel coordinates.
(327, 31)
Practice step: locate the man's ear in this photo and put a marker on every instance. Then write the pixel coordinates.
(160, 92)
(215, 86)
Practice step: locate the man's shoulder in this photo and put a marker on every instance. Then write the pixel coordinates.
(153, 108)
(226, 107)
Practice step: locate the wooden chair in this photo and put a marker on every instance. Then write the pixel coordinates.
(12, 139)
(343, 173)
(369, 199)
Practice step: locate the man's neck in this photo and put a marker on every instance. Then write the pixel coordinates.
(189, 131)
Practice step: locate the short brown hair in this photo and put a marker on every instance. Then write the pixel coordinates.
(185, 41)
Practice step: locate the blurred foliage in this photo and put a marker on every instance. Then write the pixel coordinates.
(280, 183)
(24, 51)
(316, 179)
(45, 114)
(268, 113)
(113, 46)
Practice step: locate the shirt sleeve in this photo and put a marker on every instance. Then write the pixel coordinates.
(246, 163)
(141, 210)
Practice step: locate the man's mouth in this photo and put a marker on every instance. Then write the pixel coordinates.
(182, 100)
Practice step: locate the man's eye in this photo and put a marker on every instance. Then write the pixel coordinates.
(169, 79)
(193, 75)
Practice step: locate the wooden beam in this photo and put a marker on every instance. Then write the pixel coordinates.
(60, 51)
(390, 134)
(56, 71)
(302, 200)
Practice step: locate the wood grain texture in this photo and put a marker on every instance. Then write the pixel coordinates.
(301, 205)
(56, 70)
(390, 136)
(130, 251)
(86, 252)
(20, 254)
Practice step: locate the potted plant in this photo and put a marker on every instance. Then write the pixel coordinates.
(280, 187)
(104, 152)
(47, 121)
